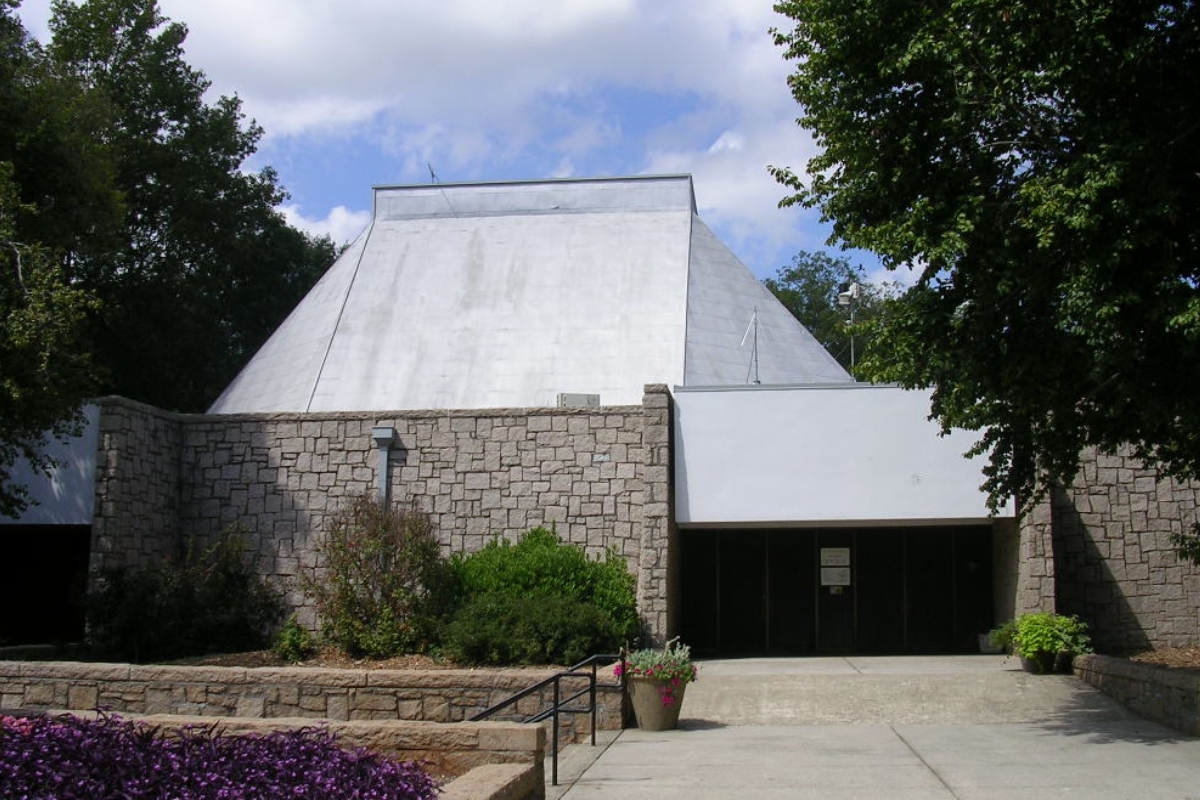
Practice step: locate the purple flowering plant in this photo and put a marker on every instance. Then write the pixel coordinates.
(671, 667)
(69, 758)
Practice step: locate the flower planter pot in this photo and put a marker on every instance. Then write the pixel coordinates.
(986, 646)
(653, 714)
(1047, 663)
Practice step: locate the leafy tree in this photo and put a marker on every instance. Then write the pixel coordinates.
(52, 130)
(44, 370)
(133, 241)
(1041, 163)
(200, 268)
(809, 288)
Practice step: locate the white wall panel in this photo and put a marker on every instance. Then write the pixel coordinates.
(67, 495)
(837, 455)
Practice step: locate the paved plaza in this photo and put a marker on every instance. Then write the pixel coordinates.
(957, 728)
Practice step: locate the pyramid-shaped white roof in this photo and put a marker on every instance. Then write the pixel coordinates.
(508, 294)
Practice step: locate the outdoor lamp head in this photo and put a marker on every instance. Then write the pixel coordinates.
(384, 436)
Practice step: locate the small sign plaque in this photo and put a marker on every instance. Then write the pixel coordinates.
(835, 576)
(835, 556)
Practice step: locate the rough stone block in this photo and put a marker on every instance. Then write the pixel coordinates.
(159, 701)
(369, 700)
(497, 782)
(502, 737)
(337, 707)
(250, 707)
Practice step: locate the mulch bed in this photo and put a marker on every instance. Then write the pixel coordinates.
(330, 658)
(1176, 657)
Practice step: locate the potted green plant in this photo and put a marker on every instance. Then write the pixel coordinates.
(1001, 637)
(1044, 641)
(656, 681)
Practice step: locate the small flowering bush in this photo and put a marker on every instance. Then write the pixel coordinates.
(383, 586)
(672, 667)
(68, 758)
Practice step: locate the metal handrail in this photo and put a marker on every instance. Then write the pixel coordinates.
(560, 706)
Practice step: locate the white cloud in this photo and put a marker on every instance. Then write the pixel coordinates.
(520, 89)
(735, 192)
(341, 224)
(729, 140)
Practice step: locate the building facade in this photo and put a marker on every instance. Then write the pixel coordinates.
(578, 354)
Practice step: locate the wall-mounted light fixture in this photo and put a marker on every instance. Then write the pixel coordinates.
(385, 437)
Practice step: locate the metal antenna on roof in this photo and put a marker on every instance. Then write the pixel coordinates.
(437, 182)
(752, 328)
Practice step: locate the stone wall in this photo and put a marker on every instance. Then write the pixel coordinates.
(658, 543)
(1035, 588)
(328, 694)
(1116, 566)
(136, 516)
(600, 476)
(1165, 695)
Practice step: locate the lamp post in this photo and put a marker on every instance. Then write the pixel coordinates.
(384, 437)
(847, 298)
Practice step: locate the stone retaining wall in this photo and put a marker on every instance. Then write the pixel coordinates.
(1166, 695)
(340, 695)
(497, 782)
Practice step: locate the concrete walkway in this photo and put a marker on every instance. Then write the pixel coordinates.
(965, 728)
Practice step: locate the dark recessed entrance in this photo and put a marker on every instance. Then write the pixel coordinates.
(802, 592)
(43, 585)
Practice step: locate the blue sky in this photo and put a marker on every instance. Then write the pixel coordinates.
(357, 93)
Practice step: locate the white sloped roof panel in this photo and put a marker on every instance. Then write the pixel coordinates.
(723, 296)
(506, 295)
(283, 373)
(486, 311)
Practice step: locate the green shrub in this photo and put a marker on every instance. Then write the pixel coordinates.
(208, 601)
(1045, 632)
(1040, 638)
(294, 642)
(383, 588)
(1003, 635)
(539, 563)
(500, 629)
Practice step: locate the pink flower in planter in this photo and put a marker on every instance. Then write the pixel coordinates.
(671, 667)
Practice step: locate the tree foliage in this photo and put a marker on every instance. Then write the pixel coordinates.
(1041, 164)
(137, 248)
(809, 288)
(43, 368)
(201, 267)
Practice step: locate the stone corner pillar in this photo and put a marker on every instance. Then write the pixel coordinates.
(1035, 579)
(658, 551)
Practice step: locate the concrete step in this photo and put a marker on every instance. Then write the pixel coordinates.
(896, 690)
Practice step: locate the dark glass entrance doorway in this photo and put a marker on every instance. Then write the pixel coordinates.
(36, 555)
(802, 592)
